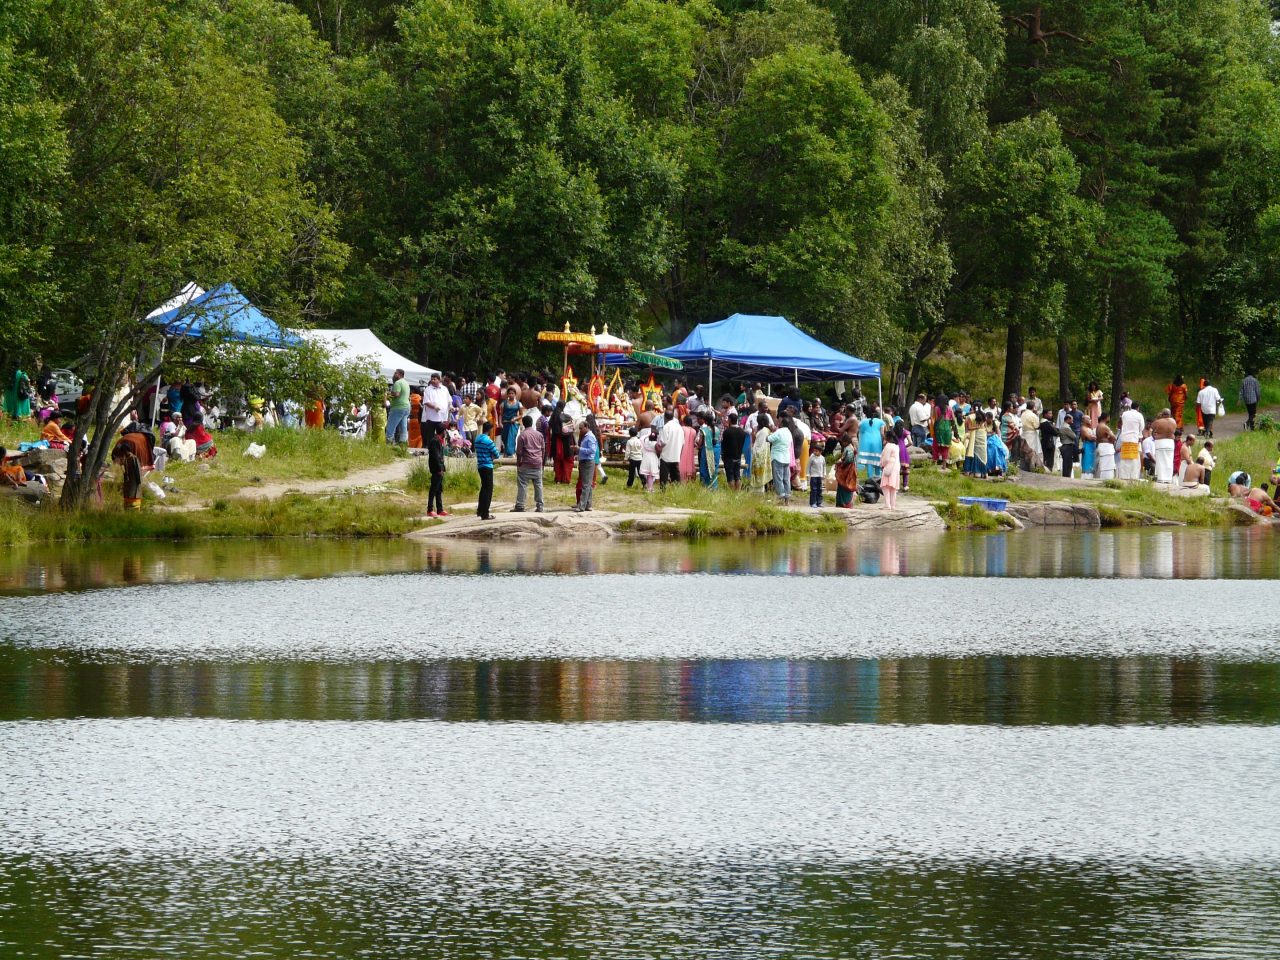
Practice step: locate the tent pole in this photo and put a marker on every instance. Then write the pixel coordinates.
(880, 392)
(155, 401)
(796, 371)
(711, 380)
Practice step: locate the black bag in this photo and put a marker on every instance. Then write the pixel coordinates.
(869, 490)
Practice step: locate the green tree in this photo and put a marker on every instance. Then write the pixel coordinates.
(33, 157)
(509, 188)
(178, 168)
(807, 197)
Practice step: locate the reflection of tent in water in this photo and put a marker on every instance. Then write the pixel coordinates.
(363, 346)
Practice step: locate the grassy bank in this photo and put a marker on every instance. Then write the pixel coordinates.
(1118, 503)
(293, 456)
(289, 516)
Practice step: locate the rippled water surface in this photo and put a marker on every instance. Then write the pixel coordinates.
(978, 747)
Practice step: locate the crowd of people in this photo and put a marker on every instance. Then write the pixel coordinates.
(780, 445)
(745, 438)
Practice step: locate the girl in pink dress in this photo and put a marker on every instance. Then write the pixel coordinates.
(891, 471)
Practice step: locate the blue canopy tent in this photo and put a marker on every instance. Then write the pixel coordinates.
(765, 348)
(223, 312)
(226, 313)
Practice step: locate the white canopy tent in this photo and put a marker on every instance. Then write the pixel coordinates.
(188, 293)
(354, 346)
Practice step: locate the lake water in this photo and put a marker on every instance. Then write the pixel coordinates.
(1007, 746)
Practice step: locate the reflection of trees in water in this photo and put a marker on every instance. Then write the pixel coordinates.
(1164, 553)
(977, 690)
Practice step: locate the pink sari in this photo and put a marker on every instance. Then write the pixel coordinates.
(689, 454)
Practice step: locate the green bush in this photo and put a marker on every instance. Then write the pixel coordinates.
(419, 479)
(461, 477)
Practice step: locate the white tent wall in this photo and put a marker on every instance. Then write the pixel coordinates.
(354, 346)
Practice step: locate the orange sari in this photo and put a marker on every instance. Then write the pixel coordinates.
(1177, 400)
(415, 420)
(315, 415)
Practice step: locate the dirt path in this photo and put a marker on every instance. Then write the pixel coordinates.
(1231, 425)
(386, 474)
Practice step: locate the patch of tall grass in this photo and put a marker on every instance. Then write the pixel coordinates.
(1255, 452)
(291, 455)
(289, 516)
(944, 486)
(461, 477)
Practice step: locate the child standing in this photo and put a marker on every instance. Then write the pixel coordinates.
(635, 453)
(904, 455)
(817, 470)
(890, 473)
(435, 463)
(650, 463)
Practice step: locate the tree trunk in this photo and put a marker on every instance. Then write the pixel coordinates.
(1064, 369)
(1119, 359)
(1015, 348)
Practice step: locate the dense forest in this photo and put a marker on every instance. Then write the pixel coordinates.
(458, 174)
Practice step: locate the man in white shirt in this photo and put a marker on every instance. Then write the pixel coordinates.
(1132, 423)
(1208, 399)
(920, 413)
(1035, 403)
(671, 439)
(436, 401)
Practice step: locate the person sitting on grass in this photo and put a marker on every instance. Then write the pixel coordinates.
(1240, 485)
(197, 434)
(11, 474)
(54, 435)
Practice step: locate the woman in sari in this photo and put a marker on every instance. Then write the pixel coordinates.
(760, 454)
(1093, 410)
(511, 410)
(314, 417)
(942, 431)
(975, 447)
(689, 452)
(846, 473)
(708, 462)
(562, 444)
(17, 399)
(415, 419)
(198, 435)
(870, 444)
(1177, 394)
(53, 435)
(997, 452)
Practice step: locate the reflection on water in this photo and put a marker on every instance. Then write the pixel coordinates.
(986, 690)
(549, 907)
(800, 762)
(411, 617)
(1195, 795)
(1191, 554)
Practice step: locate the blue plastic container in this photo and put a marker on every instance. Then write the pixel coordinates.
(986, 503)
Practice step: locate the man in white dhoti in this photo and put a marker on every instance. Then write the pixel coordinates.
(1162, 430)
(1132, 423)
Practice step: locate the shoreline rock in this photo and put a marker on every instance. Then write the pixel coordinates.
(607, 524)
